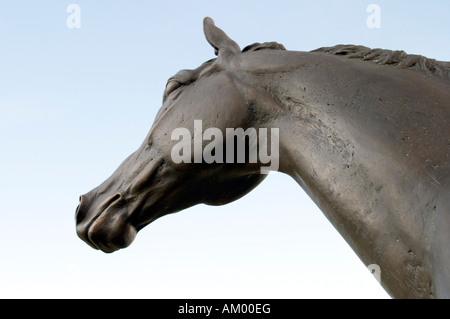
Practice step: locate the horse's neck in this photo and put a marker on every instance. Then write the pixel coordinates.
(361, 194)
(353, 172)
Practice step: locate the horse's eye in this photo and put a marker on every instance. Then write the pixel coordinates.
(171, 86)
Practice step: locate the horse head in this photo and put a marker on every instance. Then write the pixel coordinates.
(150, 183)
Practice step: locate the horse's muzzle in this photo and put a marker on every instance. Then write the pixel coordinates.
(105, 227)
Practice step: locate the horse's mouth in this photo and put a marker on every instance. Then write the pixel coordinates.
(109, 230)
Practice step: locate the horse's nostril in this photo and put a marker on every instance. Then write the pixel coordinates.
(110, 201)
(115, 198)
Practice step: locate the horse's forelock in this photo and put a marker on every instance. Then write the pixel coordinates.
(264, 46)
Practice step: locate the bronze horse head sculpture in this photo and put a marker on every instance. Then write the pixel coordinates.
(366, 133)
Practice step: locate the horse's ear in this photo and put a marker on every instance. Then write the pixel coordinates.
(222, 44)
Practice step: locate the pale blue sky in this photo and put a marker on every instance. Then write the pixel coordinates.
(75, 102)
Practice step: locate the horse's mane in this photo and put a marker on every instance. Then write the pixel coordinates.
(399, 59)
